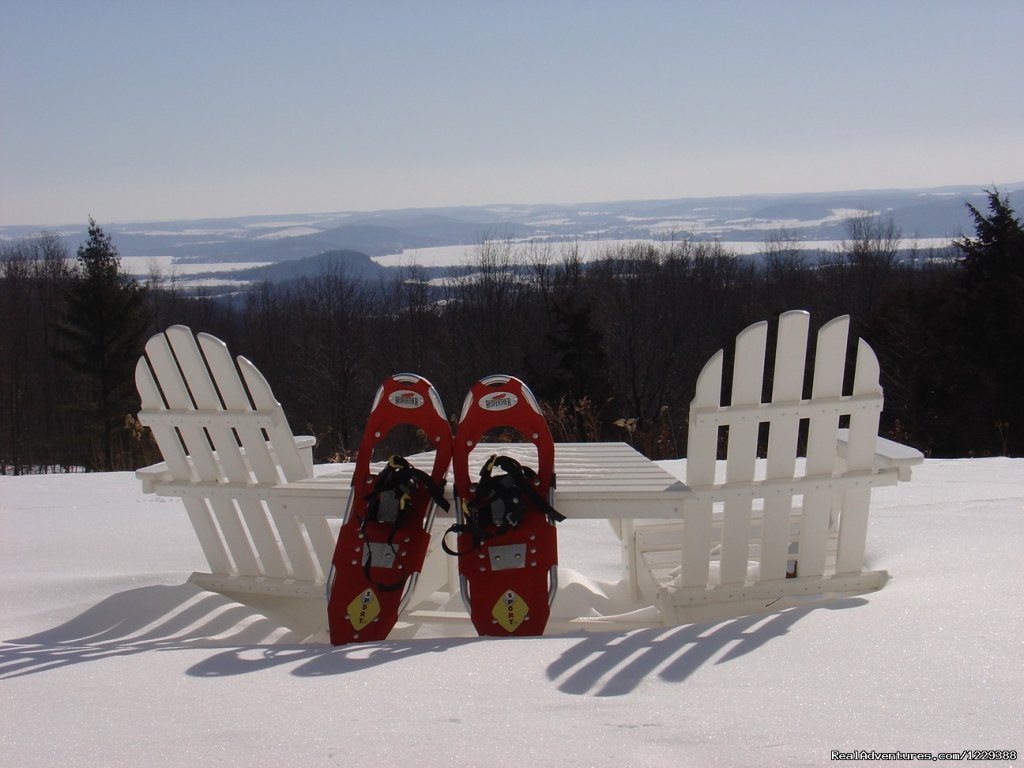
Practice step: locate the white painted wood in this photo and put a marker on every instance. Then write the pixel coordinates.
(179, 468)
(266, 449)
(741, 454)
(279, 435)
(750, 518)
(700, 471)
(223, 461)
(888, 455)
(860, 456)
(197, 445)
(829, 364)
(787, 387)
(252, 439)
(228, 454)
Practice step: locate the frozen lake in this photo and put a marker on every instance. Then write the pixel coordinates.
(143, 266)
(460, 255)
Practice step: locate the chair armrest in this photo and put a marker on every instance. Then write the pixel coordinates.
(888, 454)
(154, 472)
(159, 473)
(305, 444)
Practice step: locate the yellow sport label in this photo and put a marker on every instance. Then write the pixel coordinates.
(363, 609)
(510, 611)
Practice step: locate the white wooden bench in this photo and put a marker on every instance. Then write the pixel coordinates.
(764, 533)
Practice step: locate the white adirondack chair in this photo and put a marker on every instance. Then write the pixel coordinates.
(763, 533)
(230, 456)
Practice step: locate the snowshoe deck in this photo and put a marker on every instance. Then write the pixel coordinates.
(506, 543)
(384, 537)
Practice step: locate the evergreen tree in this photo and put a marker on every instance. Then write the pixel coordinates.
(993, 323)
(102, 332)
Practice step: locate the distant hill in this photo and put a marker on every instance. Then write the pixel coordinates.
(353, 264)
(921, 213)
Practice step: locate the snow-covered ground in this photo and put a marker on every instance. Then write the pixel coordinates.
(107, 657)
(590, 250)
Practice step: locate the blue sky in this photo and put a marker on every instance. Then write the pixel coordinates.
(145, 110)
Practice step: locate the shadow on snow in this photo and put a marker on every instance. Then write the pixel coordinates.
(163, 618)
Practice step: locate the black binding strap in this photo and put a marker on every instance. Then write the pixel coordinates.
(499, 503)
(389, 502)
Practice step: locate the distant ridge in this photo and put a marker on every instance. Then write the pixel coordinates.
(352, 264)
(937, 212)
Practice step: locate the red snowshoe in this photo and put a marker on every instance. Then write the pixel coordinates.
(505, 521)
(386, 530)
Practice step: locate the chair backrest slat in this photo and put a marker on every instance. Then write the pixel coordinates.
(741, 454)
(822, 456)
(280, 435)
(862, 438)
(700, 472)
(783, 435)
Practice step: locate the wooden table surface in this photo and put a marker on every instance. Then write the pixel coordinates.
(593, 480)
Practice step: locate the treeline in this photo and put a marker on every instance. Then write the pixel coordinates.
(611, 347)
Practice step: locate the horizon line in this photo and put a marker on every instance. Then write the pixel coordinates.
(980, 189)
